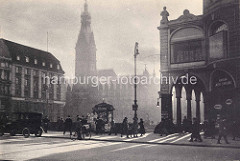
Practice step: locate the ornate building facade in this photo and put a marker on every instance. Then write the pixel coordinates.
(205, 48)
(23, 87)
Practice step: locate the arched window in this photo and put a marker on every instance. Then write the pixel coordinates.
(218, 40)
(187, 45)
(217, 27)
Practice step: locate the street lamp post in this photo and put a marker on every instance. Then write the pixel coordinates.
(135, 106)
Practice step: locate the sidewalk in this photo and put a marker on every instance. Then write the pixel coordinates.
(176, 139)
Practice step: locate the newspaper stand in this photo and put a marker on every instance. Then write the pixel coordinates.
(105, 112)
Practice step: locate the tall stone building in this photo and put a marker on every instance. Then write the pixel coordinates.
(82, 96)
(23, 84)
(205, 47)
(85, 62)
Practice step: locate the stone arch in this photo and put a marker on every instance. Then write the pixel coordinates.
(187, 33)
(216, 23)
(183, 101)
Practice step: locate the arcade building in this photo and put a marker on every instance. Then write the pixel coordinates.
(207, 47)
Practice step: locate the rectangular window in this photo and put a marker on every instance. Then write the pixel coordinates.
(27, 87)
(27, 71)
(27, 59)
(44, 85)
(35, 87)
(18, 70)
(59, 92)
(35, 73)
(18, 86)
(187, 51)
(2, 64)
(58, 67)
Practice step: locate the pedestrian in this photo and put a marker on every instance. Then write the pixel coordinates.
(79, 129)
(112, 128)
(135, 127)
(185, 124)
(45, 124)
(58, 123)
(196, 131)
(141, 127)
(61, 124)
(222, 131)
(98, 125)
(68, 125)
(125, 127)
(235, 129)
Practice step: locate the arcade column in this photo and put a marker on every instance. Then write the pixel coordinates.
(189, 99)
(198, 99)
(179, 111)
(166, 105)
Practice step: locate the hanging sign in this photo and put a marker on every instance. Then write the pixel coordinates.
(229, 101)
(218, 106)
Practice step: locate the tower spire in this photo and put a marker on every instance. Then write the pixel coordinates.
(85, 6)
(85, 63)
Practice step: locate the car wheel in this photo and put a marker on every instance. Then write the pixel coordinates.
(26, 132)
(38, 132)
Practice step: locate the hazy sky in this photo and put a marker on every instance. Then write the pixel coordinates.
(117, 25)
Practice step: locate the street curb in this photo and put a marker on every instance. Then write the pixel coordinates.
(150, 143)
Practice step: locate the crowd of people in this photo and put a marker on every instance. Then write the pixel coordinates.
(220, 128)
(131, 129)
(124, 128)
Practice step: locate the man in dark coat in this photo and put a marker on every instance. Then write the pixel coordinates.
(112, 128)
(98, 125)
(196, 131)
(185, 124)
(141, 127)
(125, 127)
(45, 124)
(79, 129)
(68, 125)
(223, 131)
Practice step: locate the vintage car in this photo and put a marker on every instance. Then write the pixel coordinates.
(24, 123)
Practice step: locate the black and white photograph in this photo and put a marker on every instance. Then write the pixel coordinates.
(120, 80)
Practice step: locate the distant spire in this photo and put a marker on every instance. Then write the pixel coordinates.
(85, 6)
(145, 72)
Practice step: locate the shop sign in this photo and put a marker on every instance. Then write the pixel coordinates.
(222, 80)
(229, 101)
(218, 106)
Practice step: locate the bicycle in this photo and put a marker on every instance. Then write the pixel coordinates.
(85, 133)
